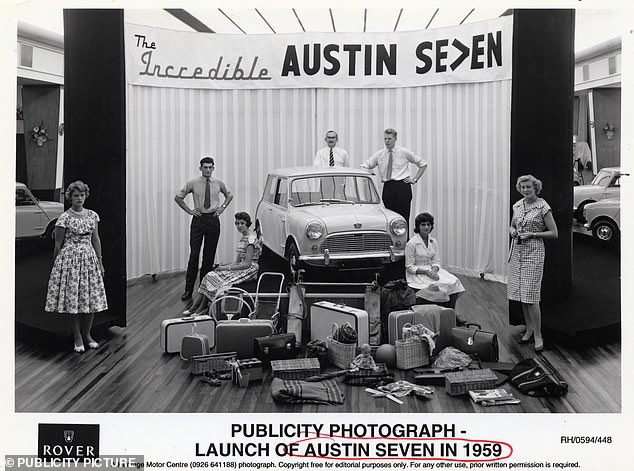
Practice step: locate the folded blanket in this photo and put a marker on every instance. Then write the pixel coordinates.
(295, 391)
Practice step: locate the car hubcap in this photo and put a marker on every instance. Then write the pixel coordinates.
(604, 233)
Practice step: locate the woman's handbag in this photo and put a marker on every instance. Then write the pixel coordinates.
(275, 347)
(473, 340)
(537, 377)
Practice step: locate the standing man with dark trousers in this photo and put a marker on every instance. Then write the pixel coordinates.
(205, 224)
(393, 163)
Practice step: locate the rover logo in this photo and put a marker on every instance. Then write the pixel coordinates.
(68, 441)
(69, 435)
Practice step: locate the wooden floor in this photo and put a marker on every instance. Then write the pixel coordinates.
(129, 373)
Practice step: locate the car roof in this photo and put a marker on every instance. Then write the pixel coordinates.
(611, 169)
(309, 170)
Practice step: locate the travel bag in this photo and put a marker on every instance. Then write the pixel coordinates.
(275, 347)
(425, 314)
(173, 331)
(537, 377)
(472, 339)
(238, 335)
(372, 305)
(396, 295)
(324, 314)
(194, 344)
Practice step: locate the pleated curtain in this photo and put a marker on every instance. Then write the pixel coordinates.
(462, 130)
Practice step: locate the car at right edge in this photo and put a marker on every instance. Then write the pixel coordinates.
(605, 185)
(603, 218)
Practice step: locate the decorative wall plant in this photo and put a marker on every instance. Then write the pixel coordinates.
(40, 134)
(609, 130)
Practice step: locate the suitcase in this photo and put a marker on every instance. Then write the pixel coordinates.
(194, 344)
(173, 331)
(324, 314)
(397, 319)
(238, 335)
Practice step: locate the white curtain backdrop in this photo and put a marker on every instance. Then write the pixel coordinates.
(462, 130)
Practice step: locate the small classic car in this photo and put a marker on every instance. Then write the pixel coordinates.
(603, 218)
(606, 184)
(329, 217)
(34, 218)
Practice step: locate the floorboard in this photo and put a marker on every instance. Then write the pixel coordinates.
(129, 373)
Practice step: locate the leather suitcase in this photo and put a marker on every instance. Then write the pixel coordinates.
(238, 335)
(325, 313)
(173, 331)
(194, 345)
(447, 320)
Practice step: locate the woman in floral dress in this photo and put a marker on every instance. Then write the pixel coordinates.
(532, 222)
(75, 286)
(245, 267)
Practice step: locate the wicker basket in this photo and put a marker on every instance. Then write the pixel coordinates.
(216, 361)
(299, 368)
(412, 353)
(340, 354)
(461, 382)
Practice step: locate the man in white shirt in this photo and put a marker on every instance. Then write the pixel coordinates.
(393, 163)
(331, 155)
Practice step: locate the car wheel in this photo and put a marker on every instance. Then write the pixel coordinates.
(605, 232)
(579, 214)
(292, 258)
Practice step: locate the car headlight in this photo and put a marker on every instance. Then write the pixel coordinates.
(398, 227)
(314, 230)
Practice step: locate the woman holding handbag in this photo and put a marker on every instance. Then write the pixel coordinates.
(532, 222)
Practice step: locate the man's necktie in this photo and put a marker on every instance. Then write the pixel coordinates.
(388, 173)
(332, 158)
(207, 203)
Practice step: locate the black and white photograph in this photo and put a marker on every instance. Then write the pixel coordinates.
(385, 218)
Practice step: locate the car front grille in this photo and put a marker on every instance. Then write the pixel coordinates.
(357, 242)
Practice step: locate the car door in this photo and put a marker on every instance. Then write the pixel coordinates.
(264, 212)
(279, 212)
(30, 220)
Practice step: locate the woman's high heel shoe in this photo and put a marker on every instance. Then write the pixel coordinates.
(79, 349)
(522, 340)
(93, 345)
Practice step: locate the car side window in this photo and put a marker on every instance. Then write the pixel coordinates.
(281, 196)
(616, 181)
(22, 198)
(270, 188)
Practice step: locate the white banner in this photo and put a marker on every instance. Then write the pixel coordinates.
(477, 52)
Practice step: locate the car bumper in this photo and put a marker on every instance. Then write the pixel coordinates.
(353, 258)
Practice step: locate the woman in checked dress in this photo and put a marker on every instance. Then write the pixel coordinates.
(245, 267)
(532, 222)
(75, 287)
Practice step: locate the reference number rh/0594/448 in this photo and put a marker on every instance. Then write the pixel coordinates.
(576, 439)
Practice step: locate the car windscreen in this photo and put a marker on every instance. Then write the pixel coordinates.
(342, 189)
(603, 178)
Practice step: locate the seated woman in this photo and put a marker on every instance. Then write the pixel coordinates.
(422, 264)
(245, 267)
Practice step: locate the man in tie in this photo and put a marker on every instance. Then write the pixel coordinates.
(331, 155)
(205, 224)
(393, 163)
